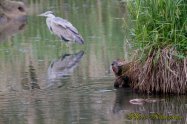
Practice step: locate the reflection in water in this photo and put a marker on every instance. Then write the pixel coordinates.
(121, 100)
(11, 27)
(57, 70)
(30, 80)
(64, 66)
(167, 107)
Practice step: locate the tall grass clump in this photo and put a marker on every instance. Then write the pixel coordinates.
(159, 31)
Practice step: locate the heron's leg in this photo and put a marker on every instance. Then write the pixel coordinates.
(67, 45)
(70, 48)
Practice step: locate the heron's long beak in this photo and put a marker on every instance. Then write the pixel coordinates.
(43, 14)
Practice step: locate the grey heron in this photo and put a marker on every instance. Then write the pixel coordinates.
(62, 28)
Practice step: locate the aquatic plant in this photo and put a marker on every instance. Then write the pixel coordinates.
(159, 31)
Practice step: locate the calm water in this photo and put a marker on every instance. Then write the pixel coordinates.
(43, 82)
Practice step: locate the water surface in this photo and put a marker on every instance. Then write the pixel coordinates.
(44, 82)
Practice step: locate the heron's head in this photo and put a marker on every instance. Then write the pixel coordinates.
(47, 14)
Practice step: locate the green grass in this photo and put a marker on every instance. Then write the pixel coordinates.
(157, 24)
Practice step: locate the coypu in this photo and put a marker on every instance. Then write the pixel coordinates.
(121, 80)
(126, 73)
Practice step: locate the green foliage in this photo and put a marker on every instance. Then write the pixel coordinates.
(158, 24)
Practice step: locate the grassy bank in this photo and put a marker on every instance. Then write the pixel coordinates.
(159, 32)
(158, 24)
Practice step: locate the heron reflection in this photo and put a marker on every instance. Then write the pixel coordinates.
(64, 66)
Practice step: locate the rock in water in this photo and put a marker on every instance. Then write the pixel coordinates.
(13, 18)
(11, 10)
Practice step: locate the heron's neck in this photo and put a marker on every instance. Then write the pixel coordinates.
(50, 16)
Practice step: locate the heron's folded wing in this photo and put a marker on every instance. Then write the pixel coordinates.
(67, 30)
(62, 32)
(65, 24)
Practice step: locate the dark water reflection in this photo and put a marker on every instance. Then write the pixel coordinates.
(37, 87)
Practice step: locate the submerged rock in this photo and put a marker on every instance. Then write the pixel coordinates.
(140, 101)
